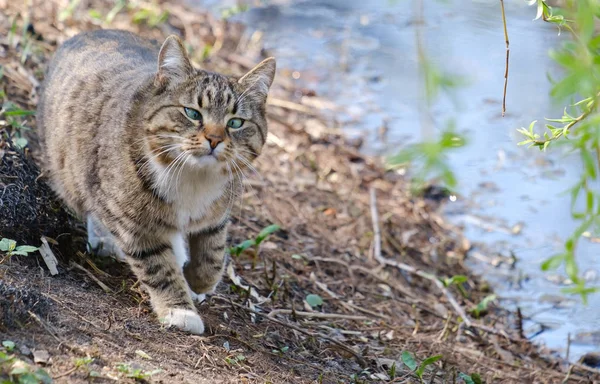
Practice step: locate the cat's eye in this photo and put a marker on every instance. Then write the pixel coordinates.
(235, 123)
(192, 114)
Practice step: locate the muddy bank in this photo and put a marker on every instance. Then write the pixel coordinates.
(377, 283)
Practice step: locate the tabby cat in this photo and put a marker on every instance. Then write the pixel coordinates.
(150, 151)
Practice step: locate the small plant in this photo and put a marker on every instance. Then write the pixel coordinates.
(8, 345)
(10, 247)
(470, 379)
(254, 243)
(456, 280)
(481, 308)
(410, 362)
(281, 350)
(136, 373)
(235, 360)
(392, 371)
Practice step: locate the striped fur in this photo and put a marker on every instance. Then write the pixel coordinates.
(120, 150)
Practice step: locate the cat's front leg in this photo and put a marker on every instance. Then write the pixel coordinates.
(207, 259)
(160, 272)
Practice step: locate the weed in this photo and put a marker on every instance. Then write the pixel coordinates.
(456, 280)
(481, 308)
(419, 369)
(10, 248)
(470, 379)
(281, 350)
(136, 373)
(254, 243)
(235, 360)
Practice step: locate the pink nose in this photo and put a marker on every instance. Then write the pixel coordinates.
(213, 140)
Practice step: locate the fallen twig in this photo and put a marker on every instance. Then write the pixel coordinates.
(104, 287)
(375, 220)
(507, 55)
(343, 346)
(317, 315)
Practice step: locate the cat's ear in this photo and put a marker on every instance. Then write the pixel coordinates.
(259, 79)
(173, 63)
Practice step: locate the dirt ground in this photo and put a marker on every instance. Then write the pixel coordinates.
(381, 296)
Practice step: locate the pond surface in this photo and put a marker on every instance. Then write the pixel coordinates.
(362, 55)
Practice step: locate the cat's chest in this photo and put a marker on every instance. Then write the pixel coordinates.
(196, 197)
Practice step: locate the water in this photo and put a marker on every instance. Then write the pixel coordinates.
(362, 55)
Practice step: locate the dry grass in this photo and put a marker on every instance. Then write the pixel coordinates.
(378, 281)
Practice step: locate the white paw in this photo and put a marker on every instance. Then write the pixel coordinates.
(184, 319)
(198, 297)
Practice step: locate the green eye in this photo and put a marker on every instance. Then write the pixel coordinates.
(235, 123)
(193, 114)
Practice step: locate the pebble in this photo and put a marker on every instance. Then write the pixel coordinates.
(41, 356)
(24, 350)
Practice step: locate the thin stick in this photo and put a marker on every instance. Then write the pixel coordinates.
(104, 287)
(67, 373)
(568, 346)
(343, 346)
(507, 55)
(375, 220)
(317, 315)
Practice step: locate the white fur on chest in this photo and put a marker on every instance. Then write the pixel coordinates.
(194, 193)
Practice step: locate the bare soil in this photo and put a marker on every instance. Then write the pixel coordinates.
(316, 186)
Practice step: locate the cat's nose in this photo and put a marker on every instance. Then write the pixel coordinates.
(214, 140)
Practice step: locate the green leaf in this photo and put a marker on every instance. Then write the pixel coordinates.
(19, 112)
(466, 378)
(28, 378)
(456, 279)
(428, 361)
(553, 262)
(20, 370)
(27, 248)
(314, 300)
(238, 249)
(266, 232)
(21, 142)
(7, 245)
(482, 306)
(95, 14)
(9, 345)
(476, 378)
(409, 360)
(588, 162)
(43, 376)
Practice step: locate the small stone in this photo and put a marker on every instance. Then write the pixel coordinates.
(23, 350)
(41, 357)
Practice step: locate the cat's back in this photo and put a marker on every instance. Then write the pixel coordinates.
(87, 92)
(100, 51)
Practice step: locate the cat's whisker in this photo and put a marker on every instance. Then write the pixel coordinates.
(249, 166)
(165, 174)
(231, 193)
(147, 161)
(172, 182)
(163, 149)
(250, 187)
(183, 164)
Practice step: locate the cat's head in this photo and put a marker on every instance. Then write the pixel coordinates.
(202, 119)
